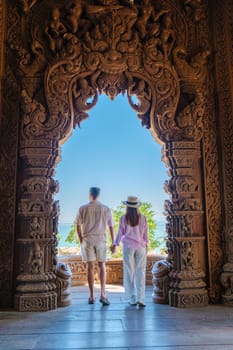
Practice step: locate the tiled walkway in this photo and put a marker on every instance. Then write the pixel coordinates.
(118, 326)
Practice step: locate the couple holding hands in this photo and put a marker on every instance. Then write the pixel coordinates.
(92, 221)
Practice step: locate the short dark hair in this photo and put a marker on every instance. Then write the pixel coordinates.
(95, 192)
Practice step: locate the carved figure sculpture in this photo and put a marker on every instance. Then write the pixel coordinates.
(26, 5)
(129, 14)
(143, 94)
(35, 259)
(192, 73)
(160, 273)
(37, 207)
(35, 228)
(190, 118)
(82, 93)
(167, 36)
(34, 115)
(194, 7)
(226, 276)
(186, 224)
(146, 13)
(74, 13)
(152, 49)
(75, 19)
(186, 184)
(84, 98)
(63, 282)
(55, 31)
(227, 282)
(187, 255)
(31, 64)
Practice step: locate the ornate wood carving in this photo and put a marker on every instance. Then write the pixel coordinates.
(211, 170)
(2, 34)
(8, 163)
(185, 217)
(160, 272)
(63, 282)
(224, 71)
(82, 49)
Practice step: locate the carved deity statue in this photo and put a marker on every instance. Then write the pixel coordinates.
(35, 228)
(187, 255)
(35, 259)
(55, 31)
(82, 94)
(167, 36)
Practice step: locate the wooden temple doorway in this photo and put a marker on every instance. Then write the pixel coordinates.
(76, 51)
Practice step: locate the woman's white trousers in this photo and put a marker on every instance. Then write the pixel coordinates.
(134, 262)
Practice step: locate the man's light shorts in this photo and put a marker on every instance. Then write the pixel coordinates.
(94, 252)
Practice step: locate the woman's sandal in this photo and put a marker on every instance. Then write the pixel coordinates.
(91, 301)
(141, 304)
(104, 301)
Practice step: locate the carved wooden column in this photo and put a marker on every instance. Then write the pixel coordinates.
(185, 225)
(222, 24)
(36, 230)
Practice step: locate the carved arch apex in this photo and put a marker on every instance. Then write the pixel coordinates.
(125, 52)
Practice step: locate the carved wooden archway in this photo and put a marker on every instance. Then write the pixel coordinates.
(84, 49)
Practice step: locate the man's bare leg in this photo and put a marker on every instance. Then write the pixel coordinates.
(91, 278)
(102, 276)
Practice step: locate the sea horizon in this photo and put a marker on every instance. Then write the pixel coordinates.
(64, 228)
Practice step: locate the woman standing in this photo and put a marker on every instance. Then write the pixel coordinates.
(133, 231)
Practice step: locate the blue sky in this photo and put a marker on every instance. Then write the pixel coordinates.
(113, 151)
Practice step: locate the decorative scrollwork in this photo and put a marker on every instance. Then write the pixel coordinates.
(102, 57)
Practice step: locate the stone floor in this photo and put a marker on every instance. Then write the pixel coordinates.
(118, 326)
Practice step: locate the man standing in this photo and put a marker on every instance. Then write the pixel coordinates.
(92, 221)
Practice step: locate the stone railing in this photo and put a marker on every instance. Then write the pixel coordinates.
(114, 269)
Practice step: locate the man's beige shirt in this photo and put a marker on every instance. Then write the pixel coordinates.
(94, 218)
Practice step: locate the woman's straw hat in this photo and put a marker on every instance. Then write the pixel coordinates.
(132, 202)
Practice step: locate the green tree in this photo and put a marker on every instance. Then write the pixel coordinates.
(72, 236)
